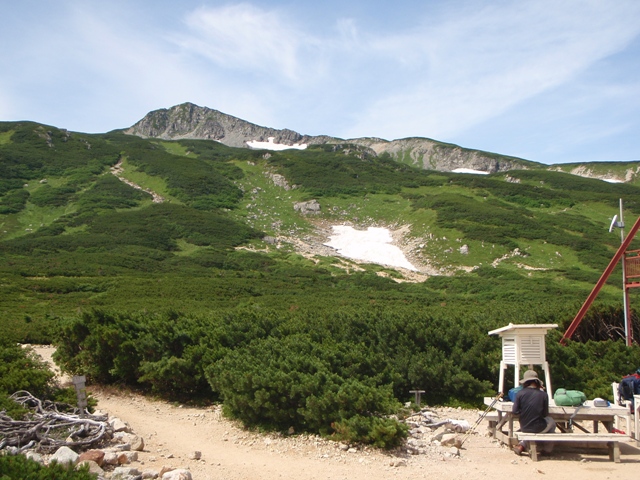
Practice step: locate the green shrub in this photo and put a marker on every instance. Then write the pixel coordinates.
(14, 201)
(380, 432)
(297, 382)
(21, 369)
(48, 196)
(14, 467)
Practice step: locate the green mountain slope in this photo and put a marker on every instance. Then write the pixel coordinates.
(222, 230)
(195, 270)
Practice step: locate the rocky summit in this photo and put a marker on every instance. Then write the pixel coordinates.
(189, 121)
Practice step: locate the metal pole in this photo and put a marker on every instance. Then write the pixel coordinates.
(625, 300)
(605, 275)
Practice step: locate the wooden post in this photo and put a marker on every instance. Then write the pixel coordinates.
(81, 392)
(417, 393)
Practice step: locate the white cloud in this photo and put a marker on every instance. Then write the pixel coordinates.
(245, 37)
(476, 66)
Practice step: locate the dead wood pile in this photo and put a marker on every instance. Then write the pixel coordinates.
(48, 429)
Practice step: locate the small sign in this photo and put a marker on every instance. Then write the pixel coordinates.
(418, 394)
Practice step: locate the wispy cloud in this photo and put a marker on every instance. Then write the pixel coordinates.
(477, 65)
(248, 38)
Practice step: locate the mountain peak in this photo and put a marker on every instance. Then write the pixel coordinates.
(190, 121)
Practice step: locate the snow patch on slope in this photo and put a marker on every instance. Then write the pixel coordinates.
(371, 245)
(270, 145)
(469, 170)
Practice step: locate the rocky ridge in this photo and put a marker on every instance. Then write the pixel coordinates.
(189, 121)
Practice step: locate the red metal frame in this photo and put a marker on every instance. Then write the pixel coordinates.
(632, 263)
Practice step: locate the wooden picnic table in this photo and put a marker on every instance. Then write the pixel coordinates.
(502, 427)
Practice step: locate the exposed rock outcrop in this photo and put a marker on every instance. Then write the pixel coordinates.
(189, 121)
(433, 155)
(311, 207)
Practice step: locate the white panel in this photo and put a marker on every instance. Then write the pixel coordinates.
(509, 351)
(532, 349)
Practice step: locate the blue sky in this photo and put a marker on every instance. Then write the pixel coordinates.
(544, 80)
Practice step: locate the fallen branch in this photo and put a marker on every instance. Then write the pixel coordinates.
(49, 428)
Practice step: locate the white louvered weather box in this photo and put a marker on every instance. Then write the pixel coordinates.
(523, 345)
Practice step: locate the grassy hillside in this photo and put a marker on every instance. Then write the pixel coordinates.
(73, 236)
(176, 267)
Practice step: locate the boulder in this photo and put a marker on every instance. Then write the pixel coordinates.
(96, 456)
(118, 425)
(311, 207)
(36, 457)
(125, 473)
(94, 468)
(137, 444)
(164, 470)
(451, 439)
(125, 458)
(177, 474)
(438, 434)
(64, 456)
(111, 458)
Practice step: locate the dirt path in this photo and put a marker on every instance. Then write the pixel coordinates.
(172, 432)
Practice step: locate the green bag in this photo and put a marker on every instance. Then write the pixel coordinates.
(569, 398)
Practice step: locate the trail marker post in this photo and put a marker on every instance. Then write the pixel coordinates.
(418, 394)
(81, 392)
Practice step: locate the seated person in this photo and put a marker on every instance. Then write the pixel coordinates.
(532, 405)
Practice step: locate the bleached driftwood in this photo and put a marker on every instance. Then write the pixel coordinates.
(49, 428)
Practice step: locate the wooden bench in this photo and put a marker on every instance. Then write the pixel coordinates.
(492, 419)
(610, 439)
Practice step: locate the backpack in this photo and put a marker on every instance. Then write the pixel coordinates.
(569, 398)
(628, 387)
(513, 392)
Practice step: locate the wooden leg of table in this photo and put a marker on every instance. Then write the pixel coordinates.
(614, 451)
(533, 451)
(595, 426)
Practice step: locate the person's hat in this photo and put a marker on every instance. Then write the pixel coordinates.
(530, 376)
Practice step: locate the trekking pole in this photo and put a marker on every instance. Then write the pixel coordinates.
(480, 418)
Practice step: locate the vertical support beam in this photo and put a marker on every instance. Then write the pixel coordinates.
(503, 366)
(625, 290)
(605, 275)
(533, 450)
(627, 317)
(547, 377)
(636, 415)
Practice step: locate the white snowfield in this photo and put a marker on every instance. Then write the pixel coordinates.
(371, 245)
(469, 170)
(270, 145)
